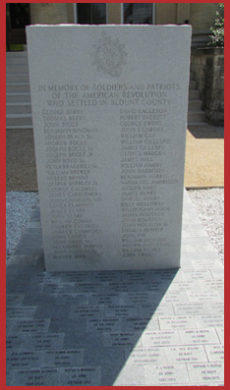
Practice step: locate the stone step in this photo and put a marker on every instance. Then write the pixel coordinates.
(17, 68)
(207, 126)
(207, 130)
(18, 98)
(192, 84)
(196, 125)
(17, 78)
(193, 94)
(13, 121)
(192, 74)
(194, 105)
(17, 87)
(196, 116)
(19, 127)
(17, 61)
(17, 108)
(16, 54)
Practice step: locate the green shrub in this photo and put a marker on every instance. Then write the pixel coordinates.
(217, 30)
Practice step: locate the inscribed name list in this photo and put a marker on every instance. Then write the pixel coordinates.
(109, 106)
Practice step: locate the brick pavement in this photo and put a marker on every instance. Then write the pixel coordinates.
(161, 327)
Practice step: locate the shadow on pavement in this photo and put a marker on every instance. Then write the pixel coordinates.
(76, 328)
(206, 131)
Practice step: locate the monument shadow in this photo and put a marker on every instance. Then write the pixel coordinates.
(209, 132)
(82, 325)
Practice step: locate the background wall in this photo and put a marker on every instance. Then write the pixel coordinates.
(50, 13)
(202, 15)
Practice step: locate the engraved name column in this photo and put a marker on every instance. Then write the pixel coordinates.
(71, 172)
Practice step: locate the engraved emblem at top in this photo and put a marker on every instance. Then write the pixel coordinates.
(109, 55)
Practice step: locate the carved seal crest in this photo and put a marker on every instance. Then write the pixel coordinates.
(109, 55)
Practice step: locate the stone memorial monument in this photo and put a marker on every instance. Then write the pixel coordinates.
(109, 106)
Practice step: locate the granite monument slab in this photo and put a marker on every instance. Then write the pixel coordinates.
(109, 107)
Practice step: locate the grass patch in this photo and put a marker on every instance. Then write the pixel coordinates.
(16, 47)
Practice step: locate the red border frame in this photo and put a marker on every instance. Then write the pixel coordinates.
(226, 192)
(2, 198)
(3, 194)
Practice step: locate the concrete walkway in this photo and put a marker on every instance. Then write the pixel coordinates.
(204, 158)
(116, 328)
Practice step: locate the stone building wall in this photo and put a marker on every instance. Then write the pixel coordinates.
(207, 65)
(200, 15)
(50, 13)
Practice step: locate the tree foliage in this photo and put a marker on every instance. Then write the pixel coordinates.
(217, 30)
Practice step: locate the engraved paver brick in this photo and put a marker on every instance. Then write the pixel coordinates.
(16, 312)
(215, 353)
(177, 322)
(218, 272)
(220, 333)
(14, 342)
(14, 299)
(160, 338)
(104, 325)
(138, 324)
(197, 275)
(42, 341)
(30, 326)
(80, 376)
(122, 338)
(121, 311)
(19, 360)
(208, 373)
(36, 377)
(130, 375)
(166, 375)
(146, 355)
(63, 358)
(163, 310)
(192, 308)
(209, 321)
(86, 311)
(186, 354)
(204, 296)
(198, 336)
